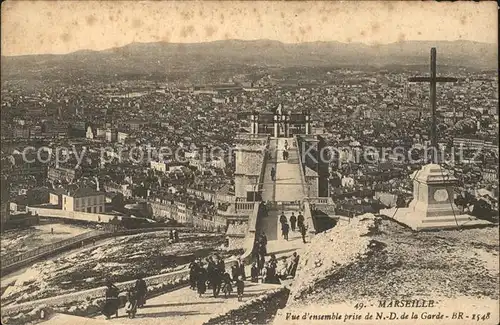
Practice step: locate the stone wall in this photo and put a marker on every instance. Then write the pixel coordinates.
(74, 215)
(236, 242)
(249, 164)
(312, 186)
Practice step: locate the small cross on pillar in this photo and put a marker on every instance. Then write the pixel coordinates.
(433, 79)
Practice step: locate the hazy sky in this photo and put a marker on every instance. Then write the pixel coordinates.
(30, 27)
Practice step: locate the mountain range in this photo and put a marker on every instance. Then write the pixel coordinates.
(162, 59)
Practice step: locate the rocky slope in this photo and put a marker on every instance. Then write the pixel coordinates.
(120, 259)
(374, 259)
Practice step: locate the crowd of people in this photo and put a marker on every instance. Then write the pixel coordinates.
(211, 274)
(270, 271)
(296, 223)
(274, 270)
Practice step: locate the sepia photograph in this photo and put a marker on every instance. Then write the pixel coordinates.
(249, 162)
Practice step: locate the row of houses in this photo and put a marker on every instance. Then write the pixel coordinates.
(109, 135)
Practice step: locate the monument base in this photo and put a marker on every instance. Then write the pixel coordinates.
(419, 222)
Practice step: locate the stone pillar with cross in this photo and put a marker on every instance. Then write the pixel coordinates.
(433, 205)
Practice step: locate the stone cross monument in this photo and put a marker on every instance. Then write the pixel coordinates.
(433, 204)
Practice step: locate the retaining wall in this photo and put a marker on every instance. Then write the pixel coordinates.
(75, 215)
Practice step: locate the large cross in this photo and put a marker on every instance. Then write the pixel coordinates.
(433, 79)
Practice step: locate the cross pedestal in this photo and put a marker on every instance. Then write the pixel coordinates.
(433, 204)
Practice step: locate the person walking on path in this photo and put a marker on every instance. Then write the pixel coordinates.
(300, 220)
(201, 277)
(221, 267)
(293, 221)
(112, 304)
(303, 233)
(241, 267)
(227, 287)
(213, 277)
(263, 238)
(131, 305)
(283, 220)
(240, 287)
(294, 264)
(193, 271)
(254, 272)
(286, 229)
(273, 174)
(141, 290)
(235, 271)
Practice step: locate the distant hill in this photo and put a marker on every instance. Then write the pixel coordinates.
(180, 59)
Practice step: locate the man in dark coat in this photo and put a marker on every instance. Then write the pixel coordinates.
(303, 233)
(300, 220)
(273, 174)
(193, 271)
(213, 277)
(221, 266)
(285, 229)
(283, 220)
(141, 289)
(201, 280)
(293, 221)
(241, 266)
(263, 239)
(235, 271)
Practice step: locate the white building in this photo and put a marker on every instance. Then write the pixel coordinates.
(159, 166)
(111, 135)
(122, 136)
(89, 134)
(174, 168)
(100, 133)
(347, 181)
(84, 200)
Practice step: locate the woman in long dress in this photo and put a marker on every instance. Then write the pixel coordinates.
(201, 281)
(132, 303)
(227, 288)
(193, 272)
(112, 304)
